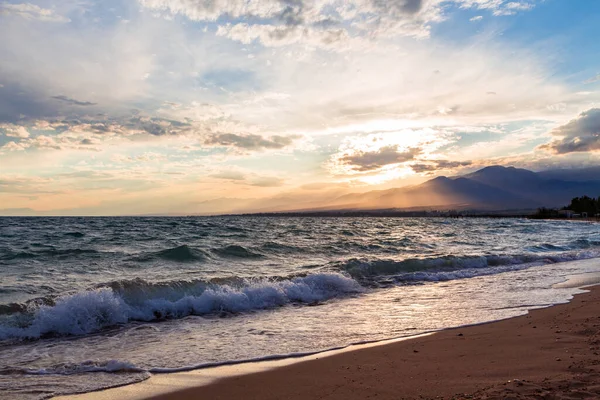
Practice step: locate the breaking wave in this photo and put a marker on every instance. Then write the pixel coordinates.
(451, 267)
(90, 311)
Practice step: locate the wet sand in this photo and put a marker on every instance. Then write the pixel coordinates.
(551, 353)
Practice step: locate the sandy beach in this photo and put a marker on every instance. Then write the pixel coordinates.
(550, 353)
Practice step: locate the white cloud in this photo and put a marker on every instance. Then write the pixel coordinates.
(31, 11)
(477, 18)
(326, 23)
(16, 131)
(212, 10)
(593, 79)
(499, 7)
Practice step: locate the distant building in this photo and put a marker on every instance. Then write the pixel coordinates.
(566, 213)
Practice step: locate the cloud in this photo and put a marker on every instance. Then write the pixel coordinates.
(250, 141)
(372, 160)
(73, 101)
(324, 186)
(267, 182)
(213, 10)
(328, 23)
(145, 157)
(48, 70)
(593, 79)
(31, 12)
(23, 184)
(386, 153)
(248, 178)
(435, 165)
(276, 36)
(581, 134)
(15, 131)
(499, 7)
(230, 175)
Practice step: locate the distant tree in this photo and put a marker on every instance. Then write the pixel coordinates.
(544, 212)
(585, 204)
(579, 205)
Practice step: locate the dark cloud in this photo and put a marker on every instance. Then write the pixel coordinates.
(152, 126)
(372, 160)
(250, 142)
(19, 103)
(73, 101)
(292, 14)
(578, 135)
(435, 165)
(400, 6)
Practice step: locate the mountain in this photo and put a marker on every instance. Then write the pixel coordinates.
(574, 175)
(490, 188)
(541, 187)
(494, 188)
(505, 177)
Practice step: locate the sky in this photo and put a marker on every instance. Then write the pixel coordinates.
(206, 106)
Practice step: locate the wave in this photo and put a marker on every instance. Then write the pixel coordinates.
(182, 253)
(237, 252)
(90, 311)
(12, 255)
(113, 366)
(68, 252)
(451, 267)
(584, 243)
(276, 247)
(75, 234)
(19, 255)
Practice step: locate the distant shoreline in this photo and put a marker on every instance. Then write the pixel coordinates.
(335, 214)
(332, 214)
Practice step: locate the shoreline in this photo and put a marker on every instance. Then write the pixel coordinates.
(342, 367)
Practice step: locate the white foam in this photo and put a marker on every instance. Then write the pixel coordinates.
(90, 311)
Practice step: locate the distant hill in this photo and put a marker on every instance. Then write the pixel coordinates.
(494, 188)
(490, 188)
(574, 175)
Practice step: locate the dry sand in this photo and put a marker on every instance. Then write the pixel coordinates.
(551, 353)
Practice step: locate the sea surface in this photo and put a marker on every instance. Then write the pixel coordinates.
(89, 303)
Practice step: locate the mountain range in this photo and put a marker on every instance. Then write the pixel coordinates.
(492, 188)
